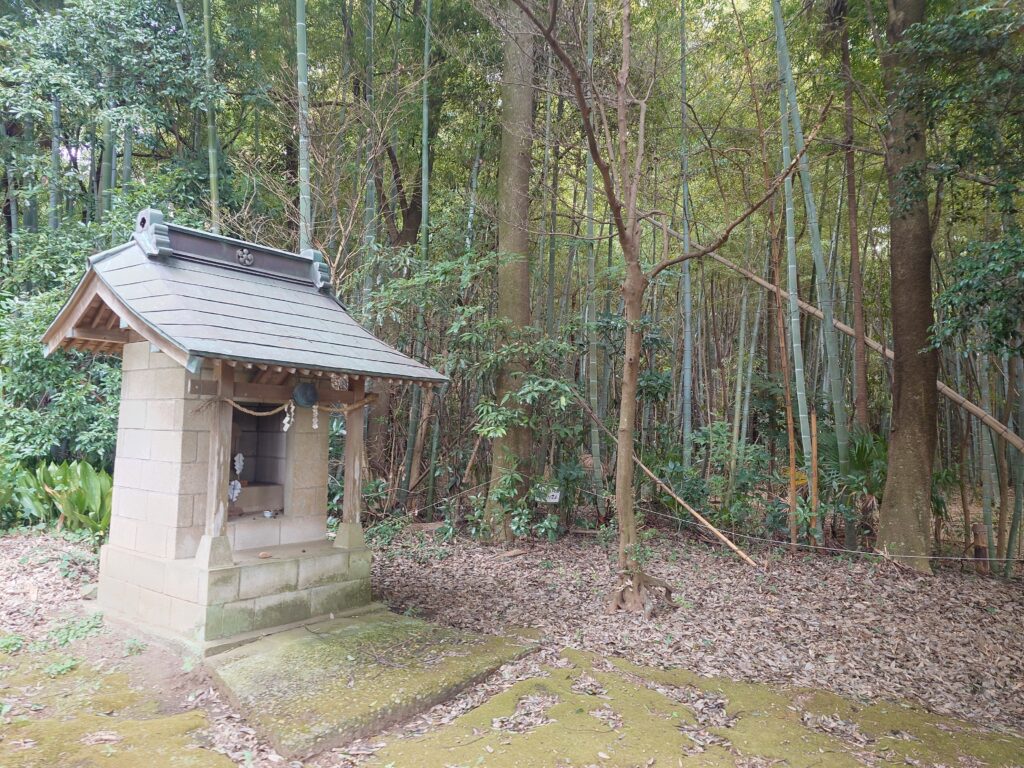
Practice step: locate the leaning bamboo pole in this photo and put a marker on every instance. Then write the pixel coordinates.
(945, 390)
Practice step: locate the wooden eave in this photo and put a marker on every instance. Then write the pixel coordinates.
(95, 320)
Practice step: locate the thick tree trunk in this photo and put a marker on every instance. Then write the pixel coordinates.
(510, 451)
(906, 505)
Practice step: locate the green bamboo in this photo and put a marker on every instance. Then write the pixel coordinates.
(370, 194)
(745, 423)
(792, 286)
(31, 222)
(825, 298)
(987, 457)
(12, 197)
(417, 395)
(336, 225)
(126, 158)
(55, 164)
(738, 392)
(104, 191)
(414, 420)
(211, 118)
(425, 140)
(302, 68)
(1012, 543)
(686, 287)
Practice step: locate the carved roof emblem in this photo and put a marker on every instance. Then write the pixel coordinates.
(245, 257)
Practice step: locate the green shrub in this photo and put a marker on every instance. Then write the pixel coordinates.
(71, 493)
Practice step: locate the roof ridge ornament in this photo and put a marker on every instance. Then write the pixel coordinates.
(320, 271)
(151, 233)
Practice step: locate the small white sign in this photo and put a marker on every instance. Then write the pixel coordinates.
(553, 497)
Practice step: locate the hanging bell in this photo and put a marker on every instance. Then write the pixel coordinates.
(305, 395)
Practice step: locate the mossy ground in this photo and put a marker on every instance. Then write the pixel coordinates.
(618, 714)
(322, 685)
(88, 717)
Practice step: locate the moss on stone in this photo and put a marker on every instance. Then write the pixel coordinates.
(318, 686)
(89, 718)
(767, 722)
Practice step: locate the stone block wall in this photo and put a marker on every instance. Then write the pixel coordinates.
(148, 572)
(160, 469)
(160, 465)
(203, 608)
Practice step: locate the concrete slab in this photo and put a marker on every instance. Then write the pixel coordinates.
(325, 684)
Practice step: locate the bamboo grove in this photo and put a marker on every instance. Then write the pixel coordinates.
(770, 251)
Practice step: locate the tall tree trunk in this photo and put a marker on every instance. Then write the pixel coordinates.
(549, 185)
(738, 394)
(860, 352)
(906, 505)
(988, 462)
(633, 295)
(1018, 474)
(512, 450)
(1003, 464)
(417, 421)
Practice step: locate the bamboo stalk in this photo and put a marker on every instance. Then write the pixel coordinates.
(211, 114)
(302, 69)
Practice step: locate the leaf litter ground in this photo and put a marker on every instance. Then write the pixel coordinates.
(951, 644)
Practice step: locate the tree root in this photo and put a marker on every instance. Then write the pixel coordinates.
(635, 593)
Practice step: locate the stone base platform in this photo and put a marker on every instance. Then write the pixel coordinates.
(211, 610)
(321, 685)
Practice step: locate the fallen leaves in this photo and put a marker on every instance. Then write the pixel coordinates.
(862, 629)
(531, 712)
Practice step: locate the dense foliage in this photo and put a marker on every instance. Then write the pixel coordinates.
(105, 106)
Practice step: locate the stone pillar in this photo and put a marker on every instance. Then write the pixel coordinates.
(215, 547)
